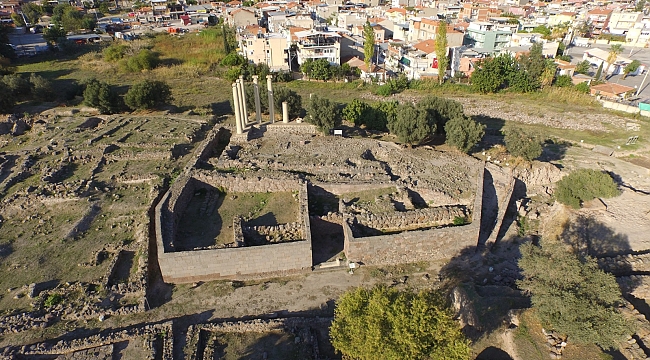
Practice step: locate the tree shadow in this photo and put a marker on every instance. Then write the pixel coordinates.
(554, 150)
(619, 181)
(493, 130)
(493, 353)
(588, 236)
(490, 208)
(221, 108)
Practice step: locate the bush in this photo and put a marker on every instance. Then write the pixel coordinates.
(573, 296)
(7, 100)
(115, 52)
(53, 300)
(283, 76)
(584, 185)
(143, 60)
(520, 144)
(148, 95)
(233, 59)
(563, 81)
(354, 111)
(583, 87)
(463, 133)
(411, 125)
(41, 88)
(101, 96)
(18, 85)
(384, 90)
(386, 324)
(440, 110)
(324, 114)
(280, 95)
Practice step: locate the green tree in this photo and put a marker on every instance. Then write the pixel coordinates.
(599, 72)
(411, 124)
(323, 113)
(583, 87)
(640, 5)
(148, 94)
(321, 70)
(571, 296)
(463, 133)
(386, 324)
(41, 88)
(563, 81)
(494, 74)
(115, 52)
(368, 44)
(584, 185)
(631, 67)
(282, 94)
(440, 110)
(520, 144)
(354, 111)
(583, 67)
(7, 100)
(233, 59)
(54, 35)
(614, 51)
(18, 85)
(101, 96)
(441, 50)
(103, 8)
(17, 19)
(384, 112)
(32, 12)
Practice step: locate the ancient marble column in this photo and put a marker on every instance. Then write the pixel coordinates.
(258, 106)
(242, 109)
(285, 112)
(269, 87)
(243, 99)
(235, 104)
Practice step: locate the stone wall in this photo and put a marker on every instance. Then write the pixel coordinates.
(413, 246)
(239, 262)
(291, 128)
(419, 218)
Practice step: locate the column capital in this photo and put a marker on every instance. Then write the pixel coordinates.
(269, 77)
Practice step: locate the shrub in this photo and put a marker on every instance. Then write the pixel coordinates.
(584, 185)
(282, 94)
(53, 300)
(386, 324)
(583, 87)
(384, 90)
(148, 95)
(354, 110)
(411, 125)
(7, 100)
(324, 114)
(143, 60)
(233, 59)
(100, 95)
(463, 133)
(41, 88)
(563, 81)
(520, 144)
(440, 110)
(115, 52)
(18, 85)
(283, 76)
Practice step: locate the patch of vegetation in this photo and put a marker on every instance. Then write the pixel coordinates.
(526, 146)
(584, 185)
(53, 300)
(572, 296)
(384, 323)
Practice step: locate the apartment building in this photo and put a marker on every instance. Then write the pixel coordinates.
(312, 44)
(270, 49)
(486, 36)
(621, 22)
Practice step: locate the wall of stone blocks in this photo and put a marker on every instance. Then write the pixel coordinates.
(235, 263)
(240, 262)
(291, 128)
(412, 246)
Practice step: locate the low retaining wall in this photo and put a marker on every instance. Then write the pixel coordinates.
(413, 246)
(291, 128)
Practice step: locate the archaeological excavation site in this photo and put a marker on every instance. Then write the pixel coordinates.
(175, 235)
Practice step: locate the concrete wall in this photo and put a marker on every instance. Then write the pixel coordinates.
(412, 246)
(621, 107)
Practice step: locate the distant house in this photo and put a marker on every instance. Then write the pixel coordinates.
(612, 91)
(241, 17)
